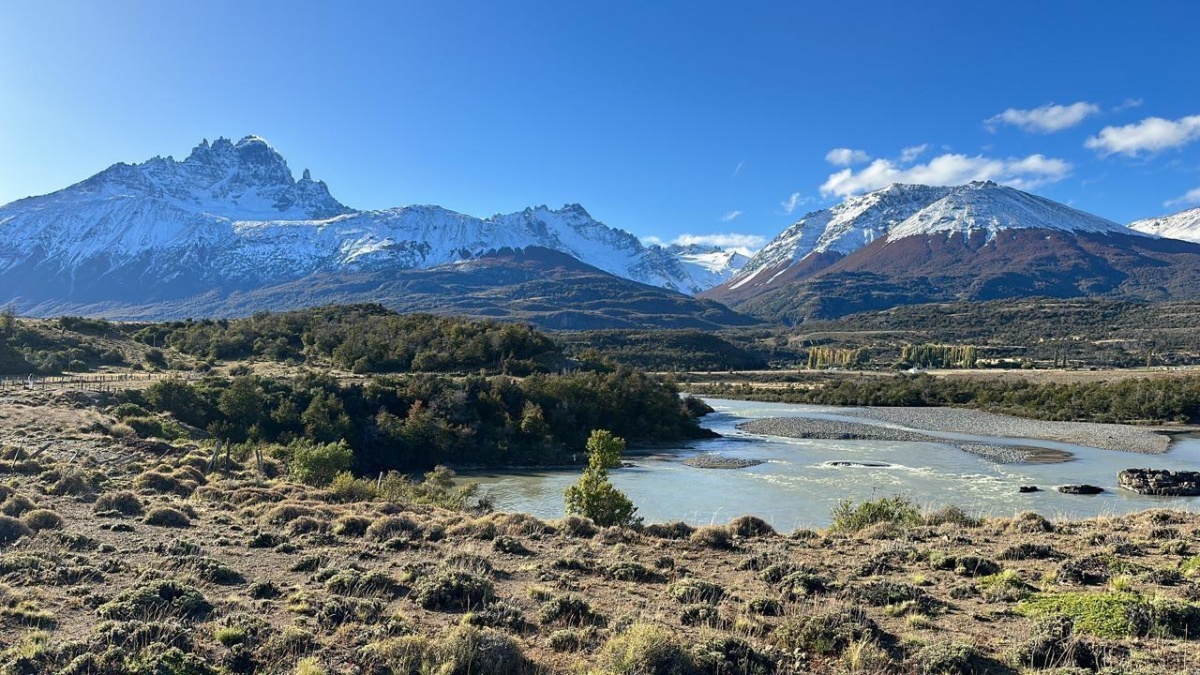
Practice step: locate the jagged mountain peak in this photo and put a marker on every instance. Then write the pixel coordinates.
(232, 212)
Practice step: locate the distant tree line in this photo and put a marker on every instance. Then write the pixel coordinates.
(1161, 400)
(365, 339)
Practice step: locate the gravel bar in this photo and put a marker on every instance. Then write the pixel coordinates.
(963, 421)
(980, 423)
(713, 461)
(837, 430)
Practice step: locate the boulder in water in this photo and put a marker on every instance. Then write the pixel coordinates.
(1029, 488)
(1160, 482)
(1080, 489)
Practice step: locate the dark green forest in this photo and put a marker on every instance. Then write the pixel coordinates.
(365, 339)
(419, 421)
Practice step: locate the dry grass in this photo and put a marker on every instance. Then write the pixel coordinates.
(273, 576)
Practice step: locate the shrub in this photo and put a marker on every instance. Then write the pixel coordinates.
(510, 545)
(569, 610)
(950, 658)
(467, 650)
(701, 615)
(12, 529)
(389, 527)
(691, 591)
(264, 590)
(16, 504)
(1005, 586)
(42, 519)
(450, 590)
(578, 526)
(154, 600)
(346, 488)
(966, 565)
(156, 481)
(214, 571)
(351, 526)
(319, 463)
(951, 515)
(897, 510)
(74, 483)
(750, 526)
(165, 516)
(286, 513)
(646, 648)
(594, 496)
(884, 593)
(124, 502)
(498, 615)
(306, 525)
(1053, 644)
(569, 640)
(1029, 551)
(713, 536)
(673, 530)
(827, 633)
(729, 655)
(631, 571)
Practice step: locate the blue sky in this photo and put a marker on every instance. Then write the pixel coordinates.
(663, 118)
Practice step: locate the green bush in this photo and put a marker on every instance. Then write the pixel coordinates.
(154, 600)
(851, 517)
(346, 488)
(318, 464)
(453, 590)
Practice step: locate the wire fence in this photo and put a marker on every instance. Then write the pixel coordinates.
(89, 382)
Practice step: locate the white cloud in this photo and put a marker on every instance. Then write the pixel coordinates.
(1128, 104)
(846, 157)
(1045, 119)
(1191, 198)
(949, 169)
(793, 202)
(912, 152)
(738, 169)
(1150, 135)
(731, 216)
(731, 241)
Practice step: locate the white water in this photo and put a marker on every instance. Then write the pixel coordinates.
(794, 488)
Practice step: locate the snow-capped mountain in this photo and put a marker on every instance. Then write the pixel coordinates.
(231, 215)
(900, 211)
(914, 243)
(839, 229)
(1183, 225)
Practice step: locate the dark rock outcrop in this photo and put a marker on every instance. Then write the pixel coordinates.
(1029, 488)
(1160, 482)
(1080, 489)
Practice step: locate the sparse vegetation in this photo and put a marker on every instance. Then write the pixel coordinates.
(291, 563)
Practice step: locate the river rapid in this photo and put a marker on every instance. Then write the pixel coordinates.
(797, 484)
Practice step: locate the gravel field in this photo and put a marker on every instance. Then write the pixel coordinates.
(961, 421)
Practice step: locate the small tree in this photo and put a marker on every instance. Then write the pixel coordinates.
(594, 496)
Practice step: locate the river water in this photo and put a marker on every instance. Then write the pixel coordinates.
(795, 487)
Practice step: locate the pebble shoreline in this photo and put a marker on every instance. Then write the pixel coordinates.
(962, 421)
